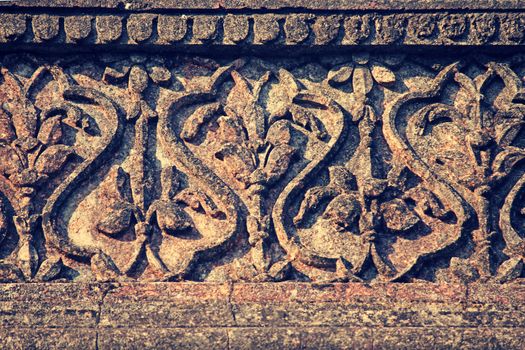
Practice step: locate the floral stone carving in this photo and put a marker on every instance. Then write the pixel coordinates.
(363, 167)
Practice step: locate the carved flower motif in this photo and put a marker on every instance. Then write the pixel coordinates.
(481, 150)
(363, 71)
(257, 155)
(137, 75)
(30, 140)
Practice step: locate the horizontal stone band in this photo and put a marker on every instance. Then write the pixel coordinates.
(291, 29)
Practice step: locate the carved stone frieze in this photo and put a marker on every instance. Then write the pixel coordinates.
(262, 174)
(358, 167)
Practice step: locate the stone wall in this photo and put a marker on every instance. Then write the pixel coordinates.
(241, 175)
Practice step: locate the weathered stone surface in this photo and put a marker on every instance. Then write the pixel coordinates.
(262, 174)
(54, 338)
(168, 306)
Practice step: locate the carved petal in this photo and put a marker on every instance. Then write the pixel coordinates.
(49, 269)
(239, 159)
(362, 81)
(343, 212)
(24, 118)
(279, 133)
(138, 79)
(510, 270)
(383, 75)
(505, 161)
(159, 74)
(22, 112)
(7, 132)
(508, 124)
(241, 103)
(113, 75)
(53, 158)
(51, 131)
(312, 199)
(230, 130)
(10, 162)
(340, 75)
(278, 162)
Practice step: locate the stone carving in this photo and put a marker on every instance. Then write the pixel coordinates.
(340, 28)
(346, 168)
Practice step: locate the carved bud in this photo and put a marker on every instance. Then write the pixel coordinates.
(138, 80)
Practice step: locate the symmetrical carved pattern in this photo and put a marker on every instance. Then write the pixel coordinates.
(342, 168)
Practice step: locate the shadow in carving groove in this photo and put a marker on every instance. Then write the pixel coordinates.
(9, 242)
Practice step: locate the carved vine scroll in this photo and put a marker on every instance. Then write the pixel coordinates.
(359, 167)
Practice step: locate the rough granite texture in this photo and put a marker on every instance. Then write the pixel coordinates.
(262, 174)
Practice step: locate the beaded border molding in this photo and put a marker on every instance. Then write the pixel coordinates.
(304, 29)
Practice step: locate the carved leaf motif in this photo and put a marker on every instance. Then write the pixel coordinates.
(138, 79)
(7, 132)
(10, 162)
(312, 199)
(49, 269)
(278, 162)
(53, 159)
(197, 120)
(113, 75)
(510, 270)
(505, 161)
(280, 153)
(282, 94)
(159, 74)
(240, 160)
(343, 212)
(230, 130)
(172, 219)
(118, 219)
(425, 156)
(242, 103)
(50, 131)
(508, 127)
(21, 110)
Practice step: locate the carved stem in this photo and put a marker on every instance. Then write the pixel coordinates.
(482, 236)
(138, 176)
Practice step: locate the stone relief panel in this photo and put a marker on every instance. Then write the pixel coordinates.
(358, 167)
